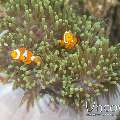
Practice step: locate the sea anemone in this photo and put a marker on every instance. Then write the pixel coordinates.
(70, 77)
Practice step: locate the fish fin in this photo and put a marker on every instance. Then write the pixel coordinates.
(61, 42)
(21, 58)
(27, 62)
(37, 60)
(22, 49)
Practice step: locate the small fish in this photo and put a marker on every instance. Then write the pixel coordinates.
(26, 56)
(69, 40)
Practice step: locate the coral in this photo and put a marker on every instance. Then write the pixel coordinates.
(72, 76)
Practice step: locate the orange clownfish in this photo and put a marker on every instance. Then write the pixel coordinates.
(69, 40)
(24, 55)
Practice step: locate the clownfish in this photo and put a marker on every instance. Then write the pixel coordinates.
(69, 40)
(26, 56)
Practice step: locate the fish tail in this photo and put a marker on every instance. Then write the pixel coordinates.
(61, 42)
(37, 60)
